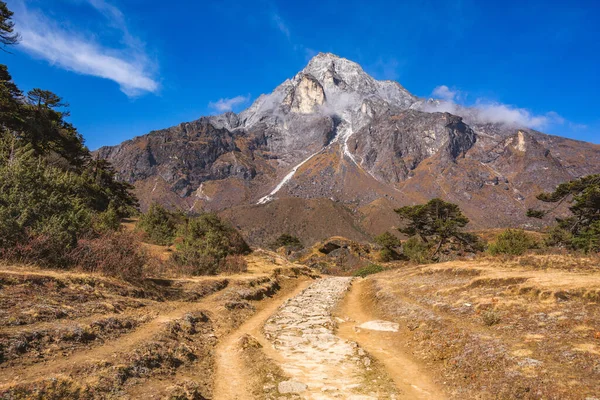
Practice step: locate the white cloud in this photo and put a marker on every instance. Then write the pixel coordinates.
(80, 52)
(281, 25)
(224, 105)
(577, 127)
(485, 111)
(444, 92)
(507, 114)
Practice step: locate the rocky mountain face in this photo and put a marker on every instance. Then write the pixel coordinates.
(334, 134)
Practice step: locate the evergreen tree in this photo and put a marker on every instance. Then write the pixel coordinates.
(7, 34)
(52, 193)
(436, 223)
(582, 229)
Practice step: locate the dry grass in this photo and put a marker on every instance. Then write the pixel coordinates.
(512, 328)
(101, 337)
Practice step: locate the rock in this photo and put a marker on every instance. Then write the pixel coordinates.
(378, 325)
(291, 387)
(329, 247)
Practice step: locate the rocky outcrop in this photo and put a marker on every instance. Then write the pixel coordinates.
(307, 96)
(392, 146)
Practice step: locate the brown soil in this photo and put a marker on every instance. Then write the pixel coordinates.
(232, 381)
(410, 377)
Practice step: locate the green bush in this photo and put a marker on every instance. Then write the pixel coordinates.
(369, 270)
(159, 225)
(588, 238)
(387, 255)
(389, 243)
(417, 250)
(387, 240)
(43, 212)
(471, 242)
(513, 242)
(558, 237)
(287, 240)
(107, 221)
(205, 242)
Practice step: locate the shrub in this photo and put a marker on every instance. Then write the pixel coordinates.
(159, 225)
(389, 243)
(558, 237)
(369, 270)
(513, 242)
(11, 232)
(386, 255)
(287, 240)
(387, 240)
(205, 242)
(491, 317)
(471, 242)
(115, 254)
(416, 250)
(107, 221)
(233, 264)
(43, 250)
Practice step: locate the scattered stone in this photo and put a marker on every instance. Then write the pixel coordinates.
(379, 325)
(291, 387)
(302, 331)
(529, 362)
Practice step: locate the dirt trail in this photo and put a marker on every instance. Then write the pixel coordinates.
(231, 381)
(410, 377)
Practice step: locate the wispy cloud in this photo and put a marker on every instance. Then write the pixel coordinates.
(224, 105)
(486, 111)
(507, 114)
(280, 24)
(81, 52)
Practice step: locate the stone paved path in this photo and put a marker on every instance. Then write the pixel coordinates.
(321, 365)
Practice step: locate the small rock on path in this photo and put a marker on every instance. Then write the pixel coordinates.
(379, 325)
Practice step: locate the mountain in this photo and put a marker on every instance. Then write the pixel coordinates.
(334, 144)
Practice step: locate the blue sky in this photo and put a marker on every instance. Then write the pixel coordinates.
(127, 67)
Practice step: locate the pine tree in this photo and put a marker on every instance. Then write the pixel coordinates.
(8, 36)
(436, 223)
(582, 229)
